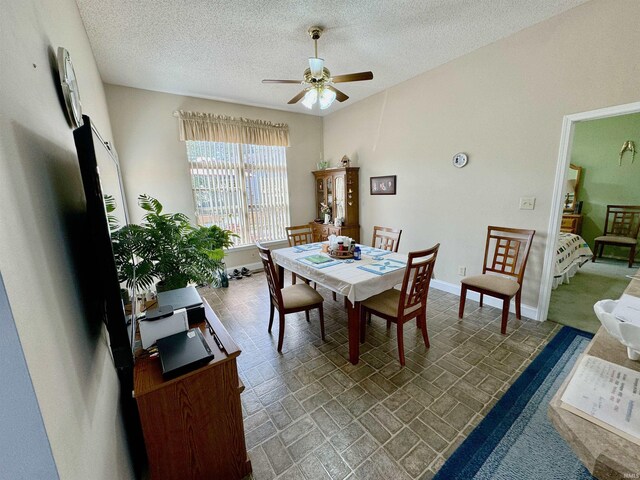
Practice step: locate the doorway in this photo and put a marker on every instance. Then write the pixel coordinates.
(570, 123)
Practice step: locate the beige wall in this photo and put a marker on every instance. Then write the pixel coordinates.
(154, 161)
(503, 105)
(42, 201)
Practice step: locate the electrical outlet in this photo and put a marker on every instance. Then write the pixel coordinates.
(527, 203)
(462, 270)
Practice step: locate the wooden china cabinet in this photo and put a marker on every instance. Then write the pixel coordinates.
(338, 188)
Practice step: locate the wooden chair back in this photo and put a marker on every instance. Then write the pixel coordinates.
(386, 238)
(299, 235)
(622, 220)
(508, 251)
(272, 276)
(417, 278)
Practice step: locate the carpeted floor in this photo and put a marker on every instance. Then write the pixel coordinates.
(572, 304)
(516, 440)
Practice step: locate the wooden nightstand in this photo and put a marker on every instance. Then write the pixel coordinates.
(571, 223)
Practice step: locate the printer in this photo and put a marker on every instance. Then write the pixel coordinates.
(187, 298)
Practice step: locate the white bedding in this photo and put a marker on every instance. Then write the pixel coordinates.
(571, 253)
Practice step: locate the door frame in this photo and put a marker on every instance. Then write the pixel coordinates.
(562, 169)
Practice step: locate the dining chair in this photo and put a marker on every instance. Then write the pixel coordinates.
(386, 238)
(509, 249)
(621, 227)
(291, 299)
(299, 235)
(400, 306)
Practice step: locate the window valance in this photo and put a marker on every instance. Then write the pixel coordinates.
(208, 127)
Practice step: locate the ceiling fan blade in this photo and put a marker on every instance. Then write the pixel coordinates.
(281, 81)
(297, 98)
(353, 77)
(340, 96)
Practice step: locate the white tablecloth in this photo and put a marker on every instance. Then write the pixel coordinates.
(345, 278)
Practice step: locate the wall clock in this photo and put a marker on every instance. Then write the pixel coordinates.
(69, 86)
(460, 160)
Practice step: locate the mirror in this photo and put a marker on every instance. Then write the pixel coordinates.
(572, 188)
(339, 191)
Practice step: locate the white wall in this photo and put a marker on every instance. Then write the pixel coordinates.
(503, 105)
(154, 161)
(42, 203)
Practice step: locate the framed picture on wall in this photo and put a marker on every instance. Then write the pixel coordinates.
(383, 185)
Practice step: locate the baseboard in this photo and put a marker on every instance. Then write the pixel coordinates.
(526, 310)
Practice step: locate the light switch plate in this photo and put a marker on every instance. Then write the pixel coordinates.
(527, 203)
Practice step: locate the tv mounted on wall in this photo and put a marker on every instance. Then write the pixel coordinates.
(101, 176)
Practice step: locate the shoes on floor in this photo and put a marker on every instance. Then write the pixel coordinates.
(236, 275)
(245, 272)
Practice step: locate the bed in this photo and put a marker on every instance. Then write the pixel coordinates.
(571, 253)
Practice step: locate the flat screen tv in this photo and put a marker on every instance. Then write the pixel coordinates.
(100, 173)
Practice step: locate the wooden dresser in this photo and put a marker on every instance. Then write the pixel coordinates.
(338, 188)
(571, 223)
(192, 424)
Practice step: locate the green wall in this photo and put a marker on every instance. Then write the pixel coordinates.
(596, 148)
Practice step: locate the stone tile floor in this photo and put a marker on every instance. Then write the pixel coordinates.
(310, 414)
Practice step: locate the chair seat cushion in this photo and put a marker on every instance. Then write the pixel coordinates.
(299, 296)
(387, 303)
(501, 285)
(616, 239)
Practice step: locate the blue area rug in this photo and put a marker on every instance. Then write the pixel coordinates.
(516, 439)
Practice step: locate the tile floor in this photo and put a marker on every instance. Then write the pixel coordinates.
(310, 414)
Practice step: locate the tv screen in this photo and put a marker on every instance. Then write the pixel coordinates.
(100, 173)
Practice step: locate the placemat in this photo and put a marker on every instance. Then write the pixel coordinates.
(383, 266)
(329, 263)
(307, 247)
(374, 252)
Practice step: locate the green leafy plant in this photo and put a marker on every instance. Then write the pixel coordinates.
(167, 248)
(178, 253)
(126, 242)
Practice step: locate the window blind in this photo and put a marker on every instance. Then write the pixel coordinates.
(240, 187)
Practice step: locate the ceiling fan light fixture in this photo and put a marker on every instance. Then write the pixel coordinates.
(326, 98)
(310, 98)
(316, 65)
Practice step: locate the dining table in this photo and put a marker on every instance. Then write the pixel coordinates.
(377, 270)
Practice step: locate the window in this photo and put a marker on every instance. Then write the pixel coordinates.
(240, 187)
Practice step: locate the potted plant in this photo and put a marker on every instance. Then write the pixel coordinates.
(167, 248)
(178, 252)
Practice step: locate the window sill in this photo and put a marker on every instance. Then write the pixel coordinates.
(242, 248)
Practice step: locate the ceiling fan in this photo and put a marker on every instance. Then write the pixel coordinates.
(318, 80)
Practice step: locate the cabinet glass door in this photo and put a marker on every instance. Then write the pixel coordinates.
(330, 193)
(339, 197)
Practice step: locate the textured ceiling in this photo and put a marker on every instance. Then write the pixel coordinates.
(222, 49)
